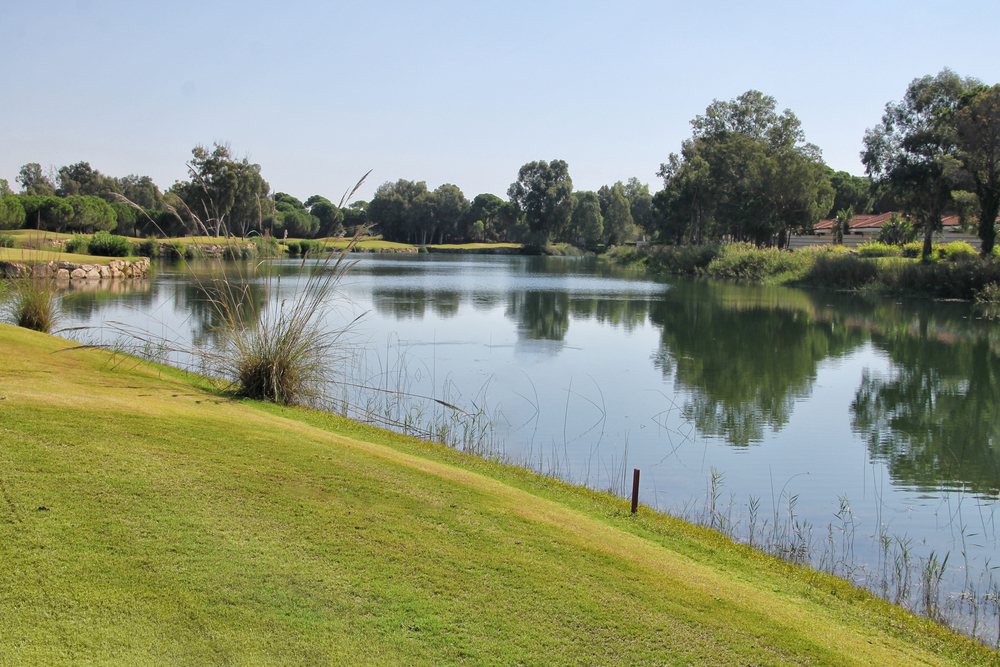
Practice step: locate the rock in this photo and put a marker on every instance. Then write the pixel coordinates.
(62, 274)
(78, 274)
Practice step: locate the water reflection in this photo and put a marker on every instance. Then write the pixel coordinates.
(934, 420)
(745, 355)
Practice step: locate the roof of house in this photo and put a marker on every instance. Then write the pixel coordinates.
(876, 221)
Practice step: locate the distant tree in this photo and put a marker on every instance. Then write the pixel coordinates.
(355, 216)
(90, 214)
(449, 209)
(141, 190)
(979, 151)
(914, 151)
(851, 191)
(34, 181)
(587, 223)
(12, 214)
(747, 173)
(617, 212)
(5, 188)
(224, 193)
(329, 215)
(485, 208)
(640, 203)
(81, 179)
(46, 213)
(543, 192)
(395, 211)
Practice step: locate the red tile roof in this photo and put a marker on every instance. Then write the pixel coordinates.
(876, 221)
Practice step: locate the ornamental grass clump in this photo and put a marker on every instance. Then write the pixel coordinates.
(31, 303)
(286, 353)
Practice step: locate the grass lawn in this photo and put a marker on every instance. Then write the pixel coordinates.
(147, 520)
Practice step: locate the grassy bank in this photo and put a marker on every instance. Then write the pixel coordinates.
(146, 520)
(950, 275)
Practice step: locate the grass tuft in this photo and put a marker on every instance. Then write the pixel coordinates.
(32, 303)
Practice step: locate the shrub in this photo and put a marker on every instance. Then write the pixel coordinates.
(747, 262)
(956, 251)
(897, 231)
(879, 249)
(267, 246)
(150, 247)
(77, 244)
(913, 249)
(988, 294)
(234, 251)
(106, 244)
(314, 248)
(836, 270)
(176, 249)
(293, 248)
(8, 241)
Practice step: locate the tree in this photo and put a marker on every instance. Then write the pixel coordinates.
(850, 191)
(485, 208)
(842, 224)
(329, 215)
(640, 203)
(914, 151)
(34, 181)
(12, 214)
(396, 208)
(224, 193)
(141, 191)
(48, 213)
(617, 212)
(450, 208)
(81, 179)
(747, 173)
(91, 214)
(543, 191)
(587, 223)
(979, 146)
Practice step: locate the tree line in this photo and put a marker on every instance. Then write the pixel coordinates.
(747, 173)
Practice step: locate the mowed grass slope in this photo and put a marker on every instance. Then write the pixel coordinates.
(146, 520)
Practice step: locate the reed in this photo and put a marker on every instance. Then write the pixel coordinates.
(32, 303)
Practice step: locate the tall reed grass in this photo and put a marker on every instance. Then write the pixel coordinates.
(30, 302)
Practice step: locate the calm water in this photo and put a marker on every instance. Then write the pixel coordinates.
(803, 402)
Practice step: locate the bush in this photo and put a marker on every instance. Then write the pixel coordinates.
(957, 251)
(988, 294)
(293, 248)
(150, 247)
(748, 262)
(77, 244)
(106, 244)
(176, 249)
(267, 246)
(8, 241)
(913, 249)
(879, 249)
(234, 251)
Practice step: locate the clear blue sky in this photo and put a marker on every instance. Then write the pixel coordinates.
(452, 92)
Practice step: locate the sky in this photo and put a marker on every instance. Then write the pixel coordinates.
(318, 93)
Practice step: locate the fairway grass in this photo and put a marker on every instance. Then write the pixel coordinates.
(145, 519)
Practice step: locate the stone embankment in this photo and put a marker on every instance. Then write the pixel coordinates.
(115, 269)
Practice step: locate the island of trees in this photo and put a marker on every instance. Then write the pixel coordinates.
(746, 173)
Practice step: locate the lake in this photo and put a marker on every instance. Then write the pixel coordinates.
(853, 432)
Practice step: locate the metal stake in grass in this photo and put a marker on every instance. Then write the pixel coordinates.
(635, 490)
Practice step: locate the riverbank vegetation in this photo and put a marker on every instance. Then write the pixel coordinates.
(951, 272)
(182, 525)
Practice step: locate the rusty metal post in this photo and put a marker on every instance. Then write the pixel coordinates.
(635, 491)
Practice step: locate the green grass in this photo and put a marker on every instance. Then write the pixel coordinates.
(147, 520)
